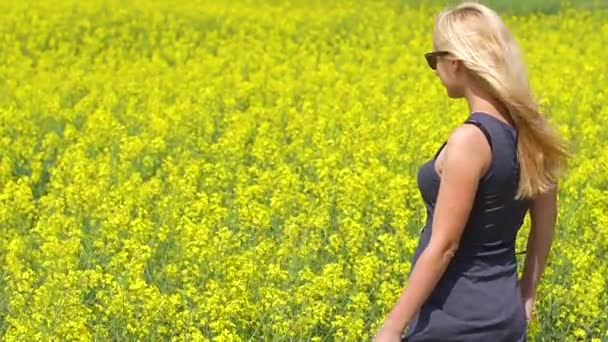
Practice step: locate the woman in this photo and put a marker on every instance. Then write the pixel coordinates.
(501, 162)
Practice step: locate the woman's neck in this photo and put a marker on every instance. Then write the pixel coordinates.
(480, 101)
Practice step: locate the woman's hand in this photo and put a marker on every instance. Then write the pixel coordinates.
(529, 306)
(388, 334)
(528, 300)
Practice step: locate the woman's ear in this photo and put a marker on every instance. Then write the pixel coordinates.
(456, 65)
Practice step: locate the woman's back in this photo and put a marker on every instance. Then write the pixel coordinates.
(477, 298)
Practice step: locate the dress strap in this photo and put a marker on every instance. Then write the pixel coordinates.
(439, 150)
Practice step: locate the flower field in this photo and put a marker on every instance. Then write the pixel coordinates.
(244, 171)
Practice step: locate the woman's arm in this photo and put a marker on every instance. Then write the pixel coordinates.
(467, 156)
(543, 214)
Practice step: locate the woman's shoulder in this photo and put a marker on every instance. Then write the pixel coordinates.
(468, 146)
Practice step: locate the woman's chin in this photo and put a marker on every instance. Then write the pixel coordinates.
(453, 94)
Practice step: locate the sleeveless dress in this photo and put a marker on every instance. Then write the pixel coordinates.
(477, 298)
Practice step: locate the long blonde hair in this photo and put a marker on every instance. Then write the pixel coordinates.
(476, 35)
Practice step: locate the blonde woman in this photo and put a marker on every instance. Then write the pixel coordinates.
(503, 161)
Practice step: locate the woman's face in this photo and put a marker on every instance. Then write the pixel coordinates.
(450, 72)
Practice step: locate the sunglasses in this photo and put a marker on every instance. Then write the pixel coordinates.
(431, 58)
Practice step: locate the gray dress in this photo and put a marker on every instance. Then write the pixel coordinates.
(477, 298)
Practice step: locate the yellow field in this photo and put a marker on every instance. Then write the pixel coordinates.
(204, 171)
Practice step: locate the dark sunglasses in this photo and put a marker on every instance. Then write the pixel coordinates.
(431, 58)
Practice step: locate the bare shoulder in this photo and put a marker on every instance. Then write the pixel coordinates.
(467, 144)
(468, 139)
